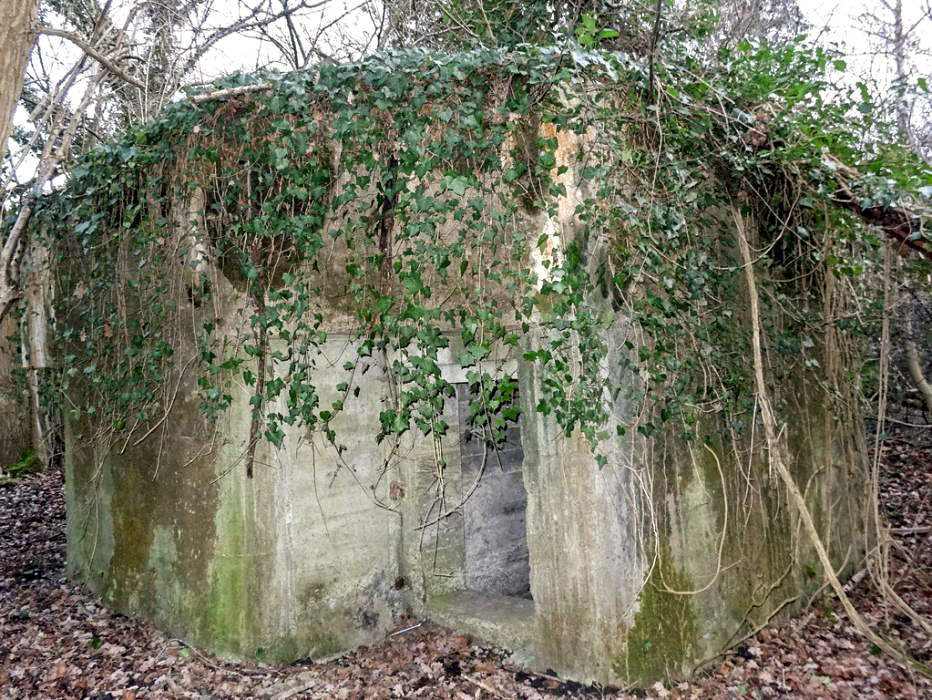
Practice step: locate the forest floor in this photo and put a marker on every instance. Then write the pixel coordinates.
(57, 641)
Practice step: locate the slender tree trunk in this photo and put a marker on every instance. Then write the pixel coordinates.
(914, 363)
(914, 356)
(18, 23)
(35, 348)
(15, 436)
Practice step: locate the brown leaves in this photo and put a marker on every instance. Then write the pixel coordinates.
(58, 642)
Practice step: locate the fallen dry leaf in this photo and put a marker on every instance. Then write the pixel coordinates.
(57, 641)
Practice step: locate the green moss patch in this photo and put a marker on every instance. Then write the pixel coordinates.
(664, 634)
(28, 463)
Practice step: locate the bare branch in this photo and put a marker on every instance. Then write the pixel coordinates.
(899, 223)
(229, 92)
(253, 20)
(103, 60)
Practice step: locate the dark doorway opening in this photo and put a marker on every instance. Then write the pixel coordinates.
(495, 514)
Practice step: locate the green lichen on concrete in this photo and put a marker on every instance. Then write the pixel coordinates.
(326, 630)
(141, 526)
(325, 634)
(134, 509)
(664, 634)
(163, 563)
(88, 497)
(326, 637)
(226, 604)
(322, 640)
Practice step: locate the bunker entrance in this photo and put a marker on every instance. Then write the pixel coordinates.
(494, 517)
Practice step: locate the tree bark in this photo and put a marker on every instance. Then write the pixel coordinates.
(35, 351)
(18, 24)
(14, 409)
(91, 51)
(914, 362)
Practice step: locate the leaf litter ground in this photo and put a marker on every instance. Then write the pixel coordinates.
(57, 641)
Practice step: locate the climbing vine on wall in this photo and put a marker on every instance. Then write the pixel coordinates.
(401, 197)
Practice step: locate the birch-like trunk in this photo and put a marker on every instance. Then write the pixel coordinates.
(914, 363)
(36, 359)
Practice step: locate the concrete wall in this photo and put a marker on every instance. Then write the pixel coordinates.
(651, 566)
(297, 561)
(494, 515)
(630, 575)
(587, 563)
(638, 570)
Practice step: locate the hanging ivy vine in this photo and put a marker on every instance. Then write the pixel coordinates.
(395, 196)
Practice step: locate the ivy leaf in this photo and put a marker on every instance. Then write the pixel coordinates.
(458, 184)
(274, 435)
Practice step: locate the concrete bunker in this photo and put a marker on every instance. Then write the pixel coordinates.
(621, 564)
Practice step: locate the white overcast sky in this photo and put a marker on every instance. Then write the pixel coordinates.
(837, 19)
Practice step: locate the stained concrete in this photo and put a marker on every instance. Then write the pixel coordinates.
(307, 559)
(298, 561)
(325, 548)
(505, 621)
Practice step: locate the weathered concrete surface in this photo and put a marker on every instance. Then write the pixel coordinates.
(638, 570)
(504, 621)
(587, 563)
(298, 561)
(654, 564)
(495, 524)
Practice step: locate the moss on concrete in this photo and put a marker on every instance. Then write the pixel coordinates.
(134, 510)
(664, 634)
(27, 463)
(224, 609)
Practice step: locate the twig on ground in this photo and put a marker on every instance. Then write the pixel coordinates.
(920, 530)
(484, 686)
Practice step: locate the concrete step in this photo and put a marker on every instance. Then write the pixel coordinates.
(503, 621)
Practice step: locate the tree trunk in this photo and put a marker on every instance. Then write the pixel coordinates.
(18, 25)
(18, 22)
(15, 434)
(35, 349)
(914, 363)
